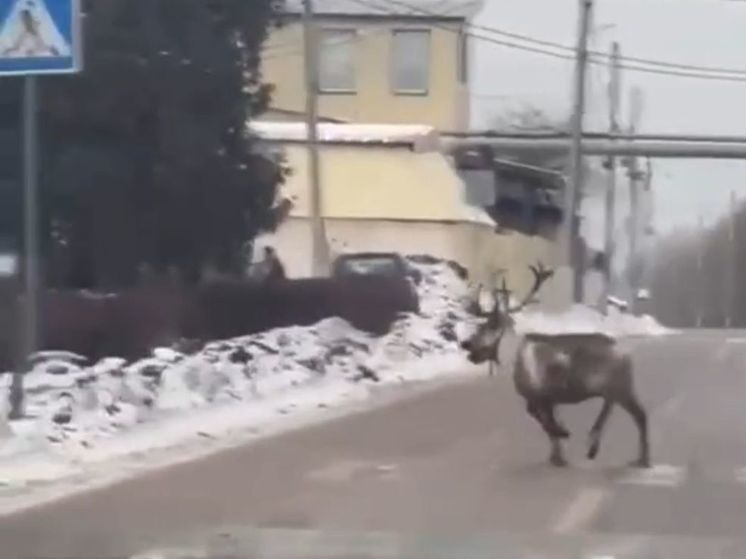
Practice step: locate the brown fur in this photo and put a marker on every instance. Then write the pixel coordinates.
(564, 369)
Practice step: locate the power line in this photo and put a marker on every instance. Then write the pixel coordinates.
(529, 39)
(596, 58)
(290, 49)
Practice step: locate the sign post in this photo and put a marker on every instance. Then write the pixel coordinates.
(36, 37)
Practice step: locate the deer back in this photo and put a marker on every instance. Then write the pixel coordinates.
(569, 367)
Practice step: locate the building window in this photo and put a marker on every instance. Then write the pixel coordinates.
(337, 61)
(410, 62)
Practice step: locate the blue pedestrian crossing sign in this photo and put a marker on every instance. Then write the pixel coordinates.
(39, 37)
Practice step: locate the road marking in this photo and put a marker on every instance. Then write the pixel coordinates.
(735, 340)
(340, 471)
(661, 475)
(344, 470)
(581, 510)
(740, 475)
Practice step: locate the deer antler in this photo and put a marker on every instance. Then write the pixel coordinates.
(541, 274)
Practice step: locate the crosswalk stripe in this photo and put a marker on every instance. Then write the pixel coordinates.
(662, 475)
(672, 476)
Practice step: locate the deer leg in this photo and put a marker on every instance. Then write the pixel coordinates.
(560, 431)
(495, 361)
(544, 415)
(594, 437)
(557, 456)
(632, 406)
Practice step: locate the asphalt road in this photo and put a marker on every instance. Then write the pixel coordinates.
(456, 472)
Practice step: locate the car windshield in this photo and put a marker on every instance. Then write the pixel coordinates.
(371, 265)
(304, 279)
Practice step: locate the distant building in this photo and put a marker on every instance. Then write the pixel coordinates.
(526, 203)
(388, 187)
(380, 61)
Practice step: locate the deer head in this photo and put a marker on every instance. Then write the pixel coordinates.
(484, 344)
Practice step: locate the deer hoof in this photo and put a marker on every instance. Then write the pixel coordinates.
(558, 461)
(593, 450)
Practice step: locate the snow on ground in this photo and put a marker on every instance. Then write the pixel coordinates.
(580, 319)
(114, 416)
(90, 415)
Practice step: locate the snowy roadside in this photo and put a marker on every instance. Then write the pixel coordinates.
(93, 425)
(580, 319)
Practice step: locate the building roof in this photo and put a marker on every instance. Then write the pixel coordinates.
(456, 9)
(415, 136)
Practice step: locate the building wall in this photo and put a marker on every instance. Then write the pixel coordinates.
(367, 182)
(444, 107)
(475, 246)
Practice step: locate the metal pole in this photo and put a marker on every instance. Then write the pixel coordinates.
(31, 242)
(319, 256)
(634, 174)
(700, 274)
(587, 135)
(634, 224)
(609, 206)
(575, 192)
(730, 259)
(592, 146)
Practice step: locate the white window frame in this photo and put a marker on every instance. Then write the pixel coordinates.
(353, 43)
(392, 61)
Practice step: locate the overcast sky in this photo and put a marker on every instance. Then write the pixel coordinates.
(699, 32)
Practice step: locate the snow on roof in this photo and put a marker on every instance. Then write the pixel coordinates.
(461, 9)
(420, 137)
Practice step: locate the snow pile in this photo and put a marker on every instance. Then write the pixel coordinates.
(79, 411)
(580, 319)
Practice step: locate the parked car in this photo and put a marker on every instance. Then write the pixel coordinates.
(376, 264)
(389, 264)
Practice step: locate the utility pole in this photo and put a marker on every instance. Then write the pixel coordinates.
(614, 92)
(575, 191)
(634, 226)
(700, 271)
(635, 175)
(730, 263)
(319, 253)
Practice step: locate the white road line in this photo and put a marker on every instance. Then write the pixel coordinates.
(661, 475)
(339, 471)
(581, 510)
(740, 475)
(345, 470)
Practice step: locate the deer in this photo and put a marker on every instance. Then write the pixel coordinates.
(554, 369)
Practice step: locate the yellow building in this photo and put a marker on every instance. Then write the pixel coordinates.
(389, 188)
(392, 74)
(380, 61)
